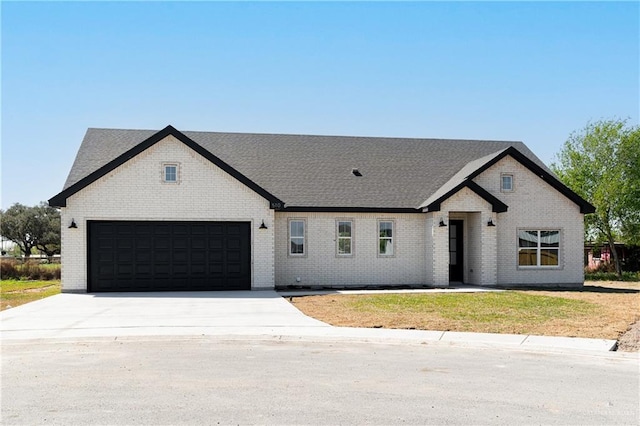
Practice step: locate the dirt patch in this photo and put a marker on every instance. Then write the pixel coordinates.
(33, 290)
(630, 341)
(615, 308)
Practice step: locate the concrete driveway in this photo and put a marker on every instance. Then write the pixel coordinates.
(166, 313)
(235, 313)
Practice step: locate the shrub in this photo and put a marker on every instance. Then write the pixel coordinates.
(9, 269)
(30, 270)
(611, 276)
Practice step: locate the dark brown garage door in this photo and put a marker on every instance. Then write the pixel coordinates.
(169, 256)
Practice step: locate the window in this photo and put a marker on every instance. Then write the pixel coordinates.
(538, 248)
(385, 238)
(170, 173)
(506, 182)
(296, 237)
(345, 238)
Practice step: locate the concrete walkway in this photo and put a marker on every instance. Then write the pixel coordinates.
(238, 314)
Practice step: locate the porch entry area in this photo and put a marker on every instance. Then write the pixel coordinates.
(472, 248)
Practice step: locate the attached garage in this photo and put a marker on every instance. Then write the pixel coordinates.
(168, 256)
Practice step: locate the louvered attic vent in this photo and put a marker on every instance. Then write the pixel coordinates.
(356, 172)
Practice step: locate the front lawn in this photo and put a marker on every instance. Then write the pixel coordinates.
(18, 292)
(599, 310)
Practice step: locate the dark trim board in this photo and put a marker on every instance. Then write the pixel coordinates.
(124, 256)
(496, 205)
(350, 209)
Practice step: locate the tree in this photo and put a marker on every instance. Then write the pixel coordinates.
(48, 218)
(601, 163)
(32, 227)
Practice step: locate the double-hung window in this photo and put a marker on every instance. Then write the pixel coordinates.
(385, 238)
(345, 238)
(538, 247)
(297, 238)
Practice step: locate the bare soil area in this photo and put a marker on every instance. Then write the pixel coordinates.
(614, 313)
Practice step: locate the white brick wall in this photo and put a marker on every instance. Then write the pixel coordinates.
(322, 267)
(534, 205)
(135, 191)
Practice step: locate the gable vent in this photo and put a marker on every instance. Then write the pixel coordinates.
(356, 172)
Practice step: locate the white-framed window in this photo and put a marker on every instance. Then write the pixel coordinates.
(538, 248)
(344, 237)
(297, 237)
(170, 172)
(506, 182)
(385, 237)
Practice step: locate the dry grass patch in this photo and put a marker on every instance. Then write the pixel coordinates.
(18, 292)
(600, 310)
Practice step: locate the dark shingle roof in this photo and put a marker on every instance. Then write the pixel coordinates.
(316, 171)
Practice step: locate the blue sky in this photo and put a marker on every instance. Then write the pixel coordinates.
(533, 72)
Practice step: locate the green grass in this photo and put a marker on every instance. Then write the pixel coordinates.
(501, 307)
(18, 292)
(50, 266)
(18, 285)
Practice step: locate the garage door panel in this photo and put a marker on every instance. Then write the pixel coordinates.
(198, 243)
(143, 256)
(143, 242)
(143, 269)
(234, 243)
(180, 242)
(216, 243)
(197, 270)
(123, 229)
(158, 256)
(216, 229)
(162, 243)
(180, 256)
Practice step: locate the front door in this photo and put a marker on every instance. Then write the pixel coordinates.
(456, 264)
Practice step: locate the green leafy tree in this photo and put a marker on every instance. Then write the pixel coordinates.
(601, 163)
(32, 227)
(48, 219)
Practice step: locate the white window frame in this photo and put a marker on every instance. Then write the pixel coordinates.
(164, 172)
(539, 248)
(505, 175)
(392, 238)
(303, 237)
(350, 238)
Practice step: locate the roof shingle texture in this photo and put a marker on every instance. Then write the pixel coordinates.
(316, 171)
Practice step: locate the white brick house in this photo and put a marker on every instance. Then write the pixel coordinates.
(149, 211)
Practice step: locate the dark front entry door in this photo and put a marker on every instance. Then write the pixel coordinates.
(169, 256)
(456, 261)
